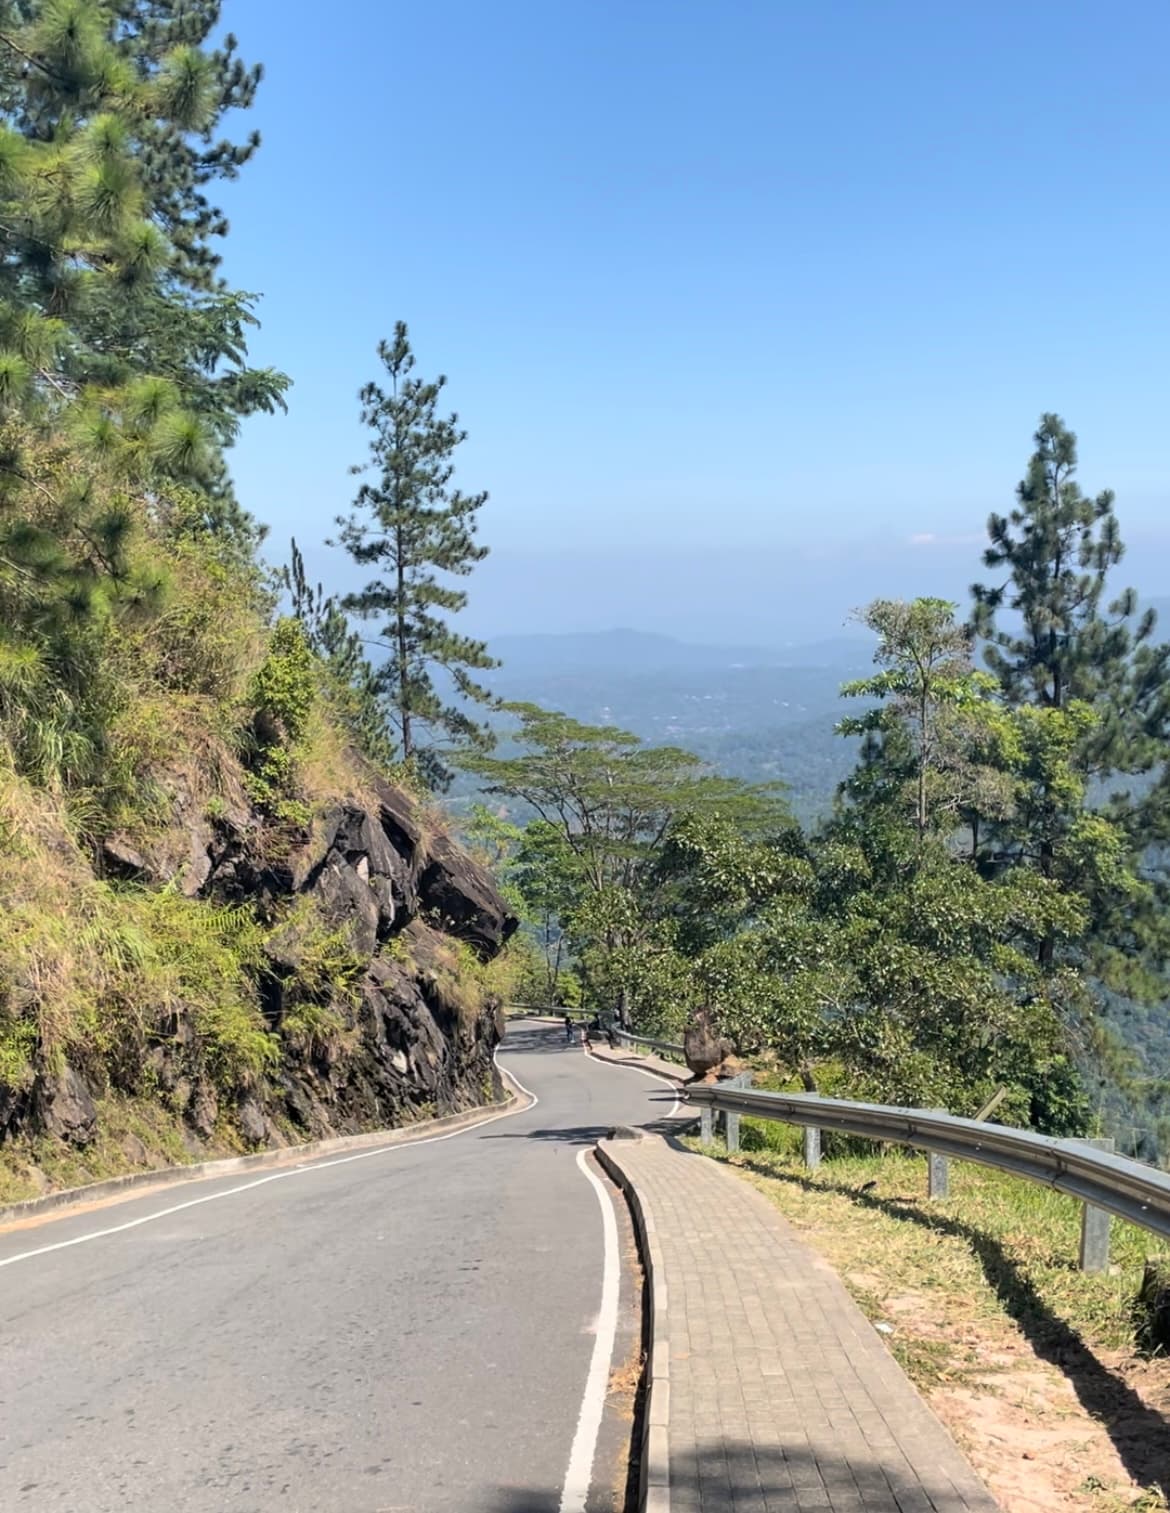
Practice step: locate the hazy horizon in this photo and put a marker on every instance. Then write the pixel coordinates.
(724, 595)
(750, 313)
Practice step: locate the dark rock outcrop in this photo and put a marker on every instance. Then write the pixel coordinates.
(411, 1039)
(412, 1047)
(703, 1049)
(462, 901)
(63, 1106)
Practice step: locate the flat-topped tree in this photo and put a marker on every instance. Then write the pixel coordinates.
(417, 532)
(611, 854)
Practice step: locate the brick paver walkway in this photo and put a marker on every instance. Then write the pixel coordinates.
(781, 1394)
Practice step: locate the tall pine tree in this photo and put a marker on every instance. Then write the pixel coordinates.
(1071, 642)
(416, 531)
(1085, 661)
(123, 369)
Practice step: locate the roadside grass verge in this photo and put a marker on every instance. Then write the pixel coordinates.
(134, 1134)
(1029, 1361)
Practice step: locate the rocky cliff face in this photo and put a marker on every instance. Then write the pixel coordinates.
(404, 1028)
(418, 1041)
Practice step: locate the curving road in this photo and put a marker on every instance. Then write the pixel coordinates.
(407, 1331)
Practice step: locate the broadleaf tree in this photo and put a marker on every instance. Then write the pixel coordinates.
(599, 851)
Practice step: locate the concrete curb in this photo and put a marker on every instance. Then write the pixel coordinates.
(654, 1492)
(517, 1101)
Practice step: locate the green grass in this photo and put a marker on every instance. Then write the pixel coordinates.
(981, 1301)
(133, 1135)
(1010, 1243)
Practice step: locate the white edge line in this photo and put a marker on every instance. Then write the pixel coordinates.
(295, 1171)
(579, 1475)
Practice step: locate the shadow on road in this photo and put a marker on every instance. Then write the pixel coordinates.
(1140, 1435)
(587, 1134)
(545, 1041)
(517, 1501)
(742, 1473)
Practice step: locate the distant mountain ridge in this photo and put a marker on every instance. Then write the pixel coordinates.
(634, 651)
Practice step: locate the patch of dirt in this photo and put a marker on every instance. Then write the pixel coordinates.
(1020, 1420)
(1025, 1360)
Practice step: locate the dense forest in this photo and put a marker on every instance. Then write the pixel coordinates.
(982, 905)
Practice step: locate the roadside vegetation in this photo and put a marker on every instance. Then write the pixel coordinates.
(990, 884)
(1030, 1362)
(164, 695)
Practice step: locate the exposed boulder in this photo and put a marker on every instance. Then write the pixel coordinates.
(64, 1107)
(703, 1048)
(252, 1121)
(120, 859)
(461, 899)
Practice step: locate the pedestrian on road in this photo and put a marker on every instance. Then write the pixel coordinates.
(568, 1030)
(611, 1035)
(586, 1041)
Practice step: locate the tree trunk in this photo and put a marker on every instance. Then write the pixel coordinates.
(923, 757)
(403, 664)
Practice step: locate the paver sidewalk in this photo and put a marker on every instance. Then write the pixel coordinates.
(781, 1394)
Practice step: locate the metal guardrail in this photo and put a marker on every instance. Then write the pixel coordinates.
(668, 1047)
(1099, 1178)
(1089, 1171)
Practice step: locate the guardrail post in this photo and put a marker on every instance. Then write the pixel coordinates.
(1095, 1226)
(707, 1125)
(812, 1147)
(731, 1121)
(938, 1172)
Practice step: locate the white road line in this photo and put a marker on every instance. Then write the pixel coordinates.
(295, 1171)
(579, 1475)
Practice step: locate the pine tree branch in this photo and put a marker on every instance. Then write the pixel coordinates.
(31, 58)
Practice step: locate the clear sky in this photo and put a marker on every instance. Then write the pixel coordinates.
(750, 308)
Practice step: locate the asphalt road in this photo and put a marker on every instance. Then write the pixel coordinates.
(411, 1331)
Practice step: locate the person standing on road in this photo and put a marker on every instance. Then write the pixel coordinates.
(568, 1030)
(586, 1042)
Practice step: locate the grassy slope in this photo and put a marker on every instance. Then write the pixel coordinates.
(1028, 1360)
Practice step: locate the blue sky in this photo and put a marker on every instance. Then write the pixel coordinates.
(749, 308)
